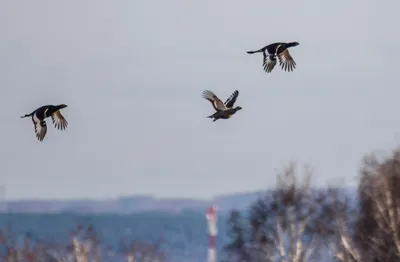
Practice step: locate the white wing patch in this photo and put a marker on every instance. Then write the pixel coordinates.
(269, 63)
(40, 127)
(276, 50)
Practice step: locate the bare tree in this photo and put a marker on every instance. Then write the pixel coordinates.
(30, 251)
(236, 248)
(336, 219)
(378, 229)
(85, 245)
(371, 231)
(138, 251)
(282, 224)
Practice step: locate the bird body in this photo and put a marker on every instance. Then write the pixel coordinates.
(224, 114)
(280, 50)
(223, 110)
(40, 114)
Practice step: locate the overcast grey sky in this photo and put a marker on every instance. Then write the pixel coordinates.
(132, 73)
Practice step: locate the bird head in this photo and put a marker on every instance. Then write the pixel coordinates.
(238, 108)
(62, 106)
(295, 44)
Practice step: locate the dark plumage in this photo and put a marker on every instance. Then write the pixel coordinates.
(224, 110)
(39, 115)
(280, 50)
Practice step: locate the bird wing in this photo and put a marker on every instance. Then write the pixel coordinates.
(269, 62)
(40, 127)
(215, 101)
(231, 99)
(286, 61)
(59, 120)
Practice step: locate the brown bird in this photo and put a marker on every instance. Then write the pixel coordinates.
(224, 110)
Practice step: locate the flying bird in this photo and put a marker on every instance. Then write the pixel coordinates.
(280, 50)
(39, 115)
(224, 110)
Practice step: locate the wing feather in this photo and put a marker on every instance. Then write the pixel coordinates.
(286, 61)
(215, 101)
(40, 127)
(269, 62)
(231, 99)
(59, 120)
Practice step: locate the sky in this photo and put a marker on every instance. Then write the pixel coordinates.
(132, 73)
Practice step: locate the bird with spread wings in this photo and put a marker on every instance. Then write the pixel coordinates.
(223, 110)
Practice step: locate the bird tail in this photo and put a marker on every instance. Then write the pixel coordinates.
(27, 115)
(213, 115)
(252, 52)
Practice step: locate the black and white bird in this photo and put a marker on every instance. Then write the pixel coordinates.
(224, 110)
(280, 50)
(39, 119)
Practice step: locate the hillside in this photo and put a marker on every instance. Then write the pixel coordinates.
(137, 204)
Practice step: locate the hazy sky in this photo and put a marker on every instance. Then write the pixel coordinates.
(132, 73)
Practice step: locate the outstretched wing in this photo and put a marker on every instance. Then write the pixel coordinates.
(286, 61)
(40, 127)
(269, 62)
(231, 99)
(215, 101)
(59, 120)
